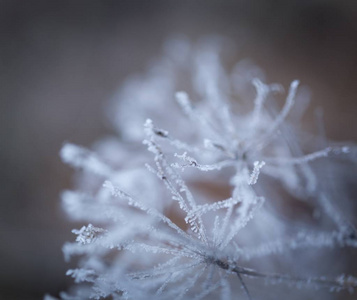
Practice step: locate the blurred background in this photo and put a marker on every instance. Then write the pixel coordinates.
(61, 61)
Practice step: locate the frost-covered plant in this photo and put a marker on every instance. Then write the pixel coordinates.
(162, 231)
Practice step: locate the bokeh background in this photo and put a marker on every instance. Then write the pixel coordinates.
(61, 61)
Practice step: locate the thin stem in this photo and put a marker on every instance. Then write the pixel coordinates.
(340, 282)
(244, 286)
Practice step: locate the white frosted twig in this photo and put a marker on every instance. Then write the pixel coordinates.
(170, 266)
(255, 173)
(184, 101)
(286, 109)
(242, 221)
(164, 134)
(88, 234)
(262, 92)
(226, 292)
(116, 192)
(171, 179)
(208, 289)
(191, 281)
(135, 247)
(219, 234)
(82, 158)
(191, 162)
(205, 208)
(177, 274)
(159, 269)
(309, 157)
(334, 213)
(265, 139)
(211, 145)
(300, 241)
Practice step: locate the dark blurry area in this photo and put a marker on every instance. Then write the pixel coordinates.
(60, 62)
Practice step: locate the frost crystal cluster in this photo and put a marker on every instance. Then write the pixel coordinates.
(214, 192)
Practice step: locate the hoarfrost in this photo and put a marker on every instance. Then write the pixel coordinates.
(162, 235)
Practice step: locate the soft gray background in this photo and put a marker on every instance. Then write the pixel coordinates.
(60, 61)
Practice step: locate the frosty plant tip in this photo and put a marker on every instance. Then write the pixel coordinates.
(157, 222)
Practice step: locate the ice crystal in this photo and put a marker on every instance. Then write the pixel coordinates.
(87, 234)
(162, 233)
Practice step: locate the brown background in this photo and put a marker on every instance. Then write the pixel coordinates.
(60, 61)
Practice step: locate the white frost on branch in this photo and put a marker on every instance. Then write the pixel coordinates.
(87, 234)
(167, 234)
(256, 171)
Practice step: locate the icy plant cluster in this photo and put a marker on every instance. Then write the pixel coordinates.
(217, 196)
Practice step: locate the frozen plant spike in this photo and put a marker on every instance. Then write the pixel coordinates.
(82, 158)
(205, 208)
(241, 222)
(262, 92)
(184, 101)
(256, 171)
(116, 192)
(87, 234)
(195, 115)
(82, 275)
(191, 162)
(310, 157)
(265, 139)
